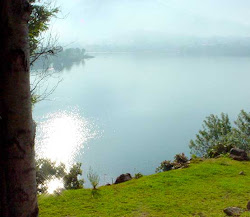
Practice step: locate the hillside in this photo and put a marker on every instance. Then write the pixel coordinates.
(203, 189)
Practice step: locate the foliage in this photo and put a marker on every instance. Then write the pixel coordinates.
(34, 99)
(214, 130)
(164, 166)
(42, 45)
(181, 158)
(138, 175)
(219, 149)
(93, 178)
(218, 136)
(47, 170)
(40, 16)
(199, 190)
(194, 156)
(180, 161)
(241, 133)
(71, 180)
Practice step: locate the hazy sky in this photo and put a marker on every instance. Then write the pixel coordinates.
(95, 21)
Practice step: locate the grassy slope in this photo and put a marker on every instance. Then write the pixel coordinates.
(204, 189)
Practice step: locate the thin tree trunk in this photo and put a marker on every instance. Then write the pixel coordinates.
(17, 131)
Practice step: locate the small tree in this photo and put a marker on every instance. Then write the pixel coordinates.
(218, 137)
(241, 133)
(93, 178)
(71, 180)
(215, 130)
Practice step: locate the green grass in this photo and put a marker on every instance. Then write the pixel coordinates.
(203, 189)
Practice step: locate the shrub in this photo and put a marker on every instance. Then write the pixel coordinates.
(181, 158)
(164, 166)
(214, 130)
(218, 150)
(93, 178)
(241, 133)
(180, 161)
(193, 156)
(217, 135)
(138, 175)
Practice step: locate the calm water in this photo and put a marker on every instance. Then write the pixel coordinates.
(123, 113)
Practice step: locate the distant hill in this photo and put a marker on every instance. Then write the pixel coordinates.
(175, 45)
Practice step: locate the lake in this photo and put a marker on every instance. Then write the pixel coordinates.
(127, 112)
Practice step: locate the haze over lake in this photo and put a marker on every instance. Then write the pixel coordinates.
(127, 112)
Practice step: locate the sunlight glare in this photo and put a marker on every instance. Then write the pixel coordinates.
(62, 135)
(54, 185)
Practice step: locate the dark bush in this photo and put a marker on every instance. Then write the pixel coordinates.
(165, 166)
(180, 161)
(138, 175)
(181, 158)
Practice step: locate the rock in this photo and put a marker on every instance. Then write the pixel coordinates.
(238, 154)
(123, 178)
(242, 173)
(248, 205)
(108, 184)
(233, 211)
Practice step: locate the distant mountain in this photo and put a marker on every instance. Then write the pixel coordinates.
(174, 45)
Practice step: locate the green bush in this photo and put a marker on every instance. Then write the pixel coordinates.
(71, 180)
(218, 136)
(219, 149)
(241, 133)
(138, 175)
(93, 178)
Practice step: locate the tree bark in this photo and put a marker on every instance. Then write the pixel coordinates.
(17, 131)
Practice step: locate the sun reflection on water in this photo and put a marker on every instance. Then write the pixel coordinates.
(61, 136)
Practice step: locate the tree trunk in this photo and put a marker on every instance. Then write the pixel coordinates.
(17, 131)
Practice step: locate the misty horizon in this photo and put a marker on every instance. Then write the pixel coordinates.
(88, 22)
